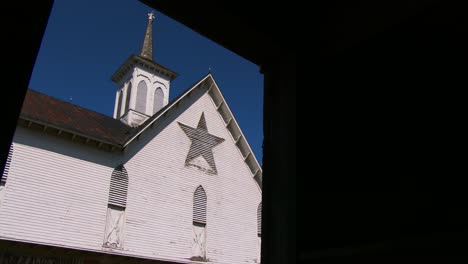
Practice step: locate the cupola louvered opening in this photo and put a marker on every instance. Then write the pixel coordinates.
(199, 206)
(259, 219)
(119, 104)
(158, 100)
(129, 96)
(142, 91)
(119, 187)
(6, 170)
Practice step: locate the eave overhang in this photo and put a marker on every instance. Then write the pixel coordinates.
(67, 133)
(150, 65)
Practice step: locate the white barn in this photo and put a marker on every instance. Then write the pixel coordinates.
(159, 182)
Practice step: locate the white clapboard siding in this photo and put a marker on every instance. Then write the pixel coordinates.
(57, 192)
(161, 191)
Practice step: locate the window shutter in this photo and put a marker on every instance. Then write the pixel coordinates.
(199, 206)
(119, 187)
(259, 219)
(6, 170)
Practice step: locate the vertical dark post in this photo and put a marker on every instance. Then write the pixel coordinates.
(279, 162)
(22, 26)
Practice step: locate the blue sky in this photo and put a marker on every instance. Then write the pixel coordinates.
(86, 41)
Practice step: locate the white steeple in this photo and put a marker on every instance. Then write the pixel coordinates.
(142, 84)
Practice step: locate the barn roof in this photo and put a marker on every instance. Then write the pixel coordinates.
(50, 111)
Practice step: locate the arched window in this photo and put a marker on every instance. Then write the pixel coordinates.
(129, 94)
(142, 90)
(259, 232)
(6, 171)
(158, 100)
(119, 104)
(116, 208)
(199, 224)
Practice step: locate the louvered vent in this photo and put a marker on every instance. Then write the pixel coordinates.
(119, 187)
(142, 91)
(158, 100)
(199, 206)
(127, 100)
(7, 166)
(119, 104)
(259, 219)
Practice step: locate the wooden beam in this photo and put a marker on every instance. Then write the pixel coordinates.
(229, 121)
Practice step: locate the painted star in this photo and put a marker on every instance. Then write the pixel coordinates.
(202, 143)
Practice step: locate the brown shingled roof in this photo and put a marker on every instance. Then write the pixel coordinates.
(38, 107)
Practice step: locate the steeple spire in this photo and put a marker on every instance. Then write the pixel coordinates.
(142, 84)
(147, 49)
